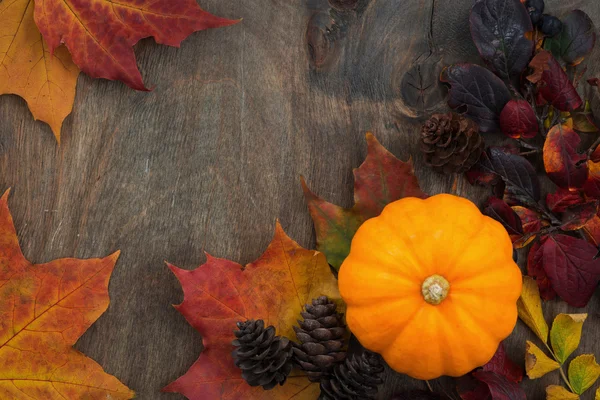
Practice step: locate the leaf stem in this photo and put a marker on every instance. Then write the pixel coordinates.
(593, 147)
(562, 373)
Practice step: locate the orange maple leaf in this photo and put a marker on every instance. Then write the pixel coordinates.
(273, 288)
(28, 69)
(100, 33)
(44, 309)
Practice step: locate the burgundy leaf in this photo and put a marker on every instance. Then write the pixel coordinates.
(502, 365)
(558, 201)
(564, 165)
(498, 29)
(469, 388)
(518, 120)
(576, 39)
(570, 265)
(501, 212)
(478, 93)
(500, 387)
(554, 84)
(531, 221)
(535, 269)
(575, 217)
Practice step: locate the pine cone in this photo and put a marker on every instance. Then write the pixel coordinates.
(356, 378)
(321, 335)
(451, 143)
(264, 358)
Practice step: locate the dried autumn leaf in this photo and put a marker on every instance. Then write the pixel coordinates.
(537, 363)
(100, 33)
(564, 165)
(559, 201)
(500, 387)
(380, 180)
(518, 120)
(478, 93)
(555, 392)
(535, 269)
(501, 212)
(220, 293)
(498, 28)
(529, 307)
(575, 217)
(591, 187)
(583, 372)
(554, 84)
(575, 40)
(572, 268)
(28, 69)
(501, 364)
(44, 309)
(566, 334)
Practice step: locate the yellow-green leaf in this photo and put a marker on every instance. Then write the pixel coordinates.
(598, 394)
(583, 372)
(566, 334)
(554, 392)
(530, 309)
(537, 363)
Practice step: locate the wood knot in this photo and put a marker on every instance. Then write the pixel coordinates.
(320, 39)
(421, 93)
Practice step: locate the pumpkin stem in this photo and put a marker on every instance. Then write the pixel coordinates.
(435, 289)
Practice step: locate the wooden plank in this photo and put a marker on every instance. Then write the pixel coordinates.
(211, 157)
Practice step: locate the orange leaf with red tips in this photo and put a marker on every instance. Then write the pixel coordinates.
(220, 293)
(575, 217)
(381, 179)
(100, 33)
(591, 187)
(564, 165)
(44, 309)
(554, 84)
(591, 231)
(28, 69)
(560, 200)
(531, 222)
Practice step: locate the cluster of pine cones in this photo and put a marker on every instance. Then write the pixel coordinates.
(266, 359)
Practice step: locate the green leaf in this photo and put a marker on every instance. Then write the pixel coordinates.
(537, 363)
(583, 372)
(554, 392)
(566, 334)
(529, 307)
(576, 40)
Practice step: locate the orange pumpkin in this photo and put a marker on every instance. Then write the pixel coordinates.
(431, 285)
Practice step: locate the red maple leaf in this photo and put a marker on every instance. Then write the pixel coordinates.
(100, 33)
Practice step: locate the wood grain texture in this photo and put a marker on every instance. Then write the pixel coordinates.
(211, 157)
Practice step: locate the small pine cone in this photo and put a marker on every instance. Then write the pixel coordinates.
(356, 378)
(264, 358)
(451, 143)
(321, 337)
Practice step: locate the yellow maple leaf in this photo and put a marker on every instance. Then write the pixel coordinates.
(28, 69)
(537, 363)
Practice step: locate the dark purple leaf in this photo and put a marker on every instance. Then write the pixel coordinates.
(502, 365)
(478, 93)
(501, 212)
(570, 265)
(498, 29)
(576, 40)
(518, 174)
(500, 387)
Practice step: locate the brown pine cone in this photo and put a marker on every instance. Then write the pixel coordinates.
(321, 337)
(356, 378)
(451, 143)
(264, 358)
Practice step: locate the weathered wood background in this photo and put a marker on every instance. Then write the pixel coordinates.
(211, 157)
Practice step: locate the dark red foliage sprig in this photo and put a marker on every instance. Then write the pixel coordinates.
(529, 93)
